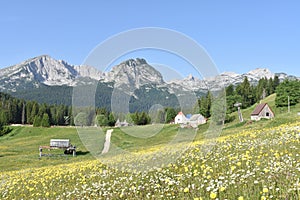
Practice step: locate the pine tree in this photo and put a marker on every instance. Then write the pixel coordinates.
(205, 105)
(3, 117)
(271, 88)
(101, 120)
(28, 111)
(276, 82)
(261, 88)
(143, 119)
(34, 112)
(287, 89)
(230, 90)
(244, 90)
(230, 101)
(170, 115)
(111, 120)
(45, 120)
(23, 112)
(37, 121)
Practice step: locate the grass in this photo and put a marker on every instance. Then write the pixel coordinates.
(254, 164)
(20, 148)
(237, 166)
(151, 135)
(281, 117)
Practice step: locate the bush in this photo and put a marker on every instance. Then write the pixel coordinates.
(4, 129)
(229, 118)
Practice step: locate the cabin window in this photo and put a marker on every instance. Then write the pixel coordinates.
(267, 114)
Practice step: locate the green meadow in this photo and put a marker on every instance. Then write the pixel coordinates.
(249, 160)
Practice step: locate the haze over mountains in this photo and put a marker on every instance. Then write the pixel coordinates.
(43, 74)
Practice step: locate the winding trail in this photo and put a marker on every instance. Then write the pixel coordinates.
(107, 141)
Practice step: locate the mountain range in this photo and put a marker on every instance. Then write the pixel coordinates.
(39, 77)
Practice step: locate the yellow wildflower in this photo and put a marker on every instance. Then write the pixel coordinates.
(213, 195)
(265, 190)
(186, 190)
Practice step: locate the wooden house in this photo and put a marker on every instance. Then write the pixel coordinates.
(262, 111)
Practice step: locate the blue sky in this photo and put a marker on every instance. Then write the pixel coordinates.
(238, 35)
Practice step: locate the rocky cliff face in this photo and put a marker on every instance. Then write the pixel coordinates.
(43, 70)
(128, 76)
(134, 73)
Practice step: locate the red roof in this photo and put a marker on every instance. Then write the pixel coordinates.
(258, 109)
(180, 113)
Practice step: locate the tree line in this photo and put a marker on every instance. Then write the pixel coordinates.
(102, 117)
(288, 93)
(243, 93)
(18, 111)
(248, 94)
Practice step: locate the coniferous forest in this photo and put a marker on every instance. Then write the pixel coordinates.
(18, 111)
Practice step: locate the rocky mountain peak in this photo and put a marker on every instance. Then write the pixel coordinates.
(128, 76)
(49, 71)
(231, 74)
(135, 62)
(44, 70)
(134, 73)
(260, 73)
(190, 77)
(41, 58)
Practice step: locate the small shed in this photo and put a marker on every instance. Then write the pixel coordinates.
(262, 111)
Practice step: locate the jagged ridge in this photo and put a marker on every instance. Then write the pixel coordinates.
(128, 75)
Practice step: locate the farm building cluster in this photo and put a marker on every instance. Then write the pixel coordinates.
(261, 111)
(189, 120)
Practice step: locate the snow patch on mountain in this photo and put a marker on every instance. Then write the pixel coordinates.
(224, 79)
(127, 76)
(46, 70)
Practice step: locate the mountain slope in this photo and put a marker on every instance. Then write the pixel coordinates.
(43, 70)
(47, 80)
(135, 72)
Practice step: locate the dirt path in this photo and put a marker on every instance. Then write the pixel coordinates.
(107, 141)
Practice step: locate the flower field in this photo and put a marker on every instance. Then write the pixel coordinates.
(257, 164)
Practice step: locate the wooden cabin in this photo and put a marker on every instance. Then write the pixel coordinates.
(262, 111)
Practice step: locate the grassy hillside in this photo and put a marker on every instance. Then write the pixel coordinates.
(281, 117)
(20, 148)
(235, 167)
(253, 164)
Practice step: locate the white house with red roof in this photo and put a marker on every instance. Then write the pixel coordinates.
(180, 118)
